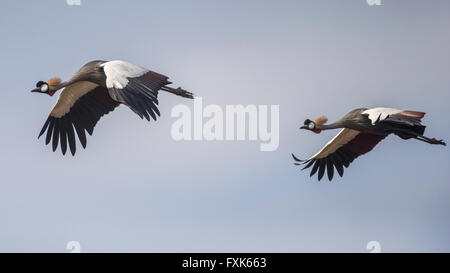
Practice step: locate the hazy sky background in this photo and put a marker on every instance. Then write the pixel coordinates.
(136, 189)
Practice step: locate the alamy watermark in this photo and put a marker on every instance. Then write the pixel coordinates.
(234, 123)
(74, 247)
(73, 2)
(374, 247)
(373, 2)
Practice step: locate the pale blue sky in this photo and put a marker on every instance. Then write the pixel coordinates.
(136, 189)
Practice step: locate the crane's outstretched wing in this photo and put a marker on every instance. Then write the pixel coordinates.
(134, 86)
(79, 106)
(339, 152)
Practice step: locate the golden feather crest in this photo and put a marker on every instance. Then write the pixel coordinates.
(321, 120)
(54, 82)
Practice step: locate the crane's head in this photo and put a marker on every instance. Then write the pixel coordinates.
(312, 124)
(49, 87)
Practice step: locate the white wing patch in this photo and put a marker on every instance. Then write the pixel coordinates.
(117, 73)
(380, 113)
(342, 138)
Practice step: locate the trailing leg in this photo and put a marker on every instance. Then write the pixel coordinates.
(430, 140)
(179, 92)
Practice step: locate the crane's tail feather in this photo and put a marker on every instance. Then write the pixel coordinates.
(179, 92)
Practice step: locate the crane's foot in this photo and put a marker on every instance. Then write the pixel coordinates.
(433, 140)
(441, 141)
(183, 93)
(179, 92)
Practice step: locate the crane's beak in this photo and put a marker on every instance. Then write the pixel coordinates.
(37, 89)
(304, 127)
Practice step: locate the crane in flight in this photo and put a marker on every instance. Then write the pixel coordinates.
(362, 129)
(96, 89)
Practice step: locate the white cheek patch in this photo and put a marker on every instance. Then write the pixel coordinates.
(44, 88)
(311, 126)
(117, 73)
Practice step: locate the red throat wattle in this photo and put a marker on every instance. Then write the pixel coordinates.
(52, 92)
(317, 131)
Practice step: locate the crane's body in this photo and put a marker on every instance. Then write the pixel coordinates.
(362, 129)
(96, 89)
